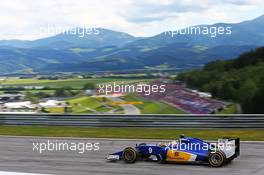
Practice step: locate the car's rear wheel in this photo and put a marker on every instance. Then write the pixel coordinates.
(129, 155)
(217, 159)
(160, 158)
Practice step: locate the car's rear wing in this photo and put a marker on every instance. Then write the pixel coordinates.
(230, 146)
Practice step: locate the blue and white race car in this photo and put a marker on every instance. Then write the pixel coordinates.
(185, 150)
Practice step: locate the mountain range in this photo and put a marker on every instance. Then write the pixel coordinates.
(111, 50)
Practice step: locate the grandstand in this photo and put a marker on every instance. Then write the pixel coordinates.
(186, 99)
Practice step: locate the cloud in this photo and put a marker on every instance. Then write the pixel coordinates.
(153, 10)
(23, 18)
(243, 2)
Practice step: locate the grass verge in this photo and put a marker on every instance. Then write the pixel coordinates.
(132, 133)
(74, 83)
(230, 109)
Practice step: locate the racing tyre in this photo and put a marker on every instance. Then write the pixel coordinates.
(217, 159)
(129, 155)
(160, 158)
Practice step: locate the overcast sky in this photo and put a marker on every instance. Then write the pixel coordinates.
(22, 19)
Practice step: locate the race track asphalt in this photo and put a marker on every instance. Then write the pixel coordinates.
(17, 155)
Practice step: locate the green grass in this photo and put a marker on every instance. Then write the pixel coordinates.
(74, 83)
(23, 81)
(152, 107)
(83, 104)
(135, 133)
(230, 109)
(57, 110)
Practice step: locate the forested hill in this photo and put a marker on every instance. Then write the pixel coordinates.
(240, 80)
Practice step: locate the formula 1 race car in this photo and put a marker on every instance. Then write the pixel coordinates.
(182, 151)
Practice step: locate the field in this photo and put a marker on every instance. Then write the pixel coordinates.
(74, 83)
(57, 110)
(230, 109)
(152, 107)
(85, 104)
(131, 133)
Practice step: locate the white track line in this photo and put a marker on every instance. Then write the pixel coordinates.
(17, 173)
(103, 139)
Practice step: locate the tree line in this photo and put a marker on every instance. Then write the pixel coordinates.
(240, 80)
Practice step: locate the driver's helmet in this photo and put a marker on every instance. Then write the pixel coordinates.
(182, 136)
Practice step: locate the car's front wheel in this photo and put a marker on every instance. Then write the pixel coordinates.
(129, 155)
(217, 159)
